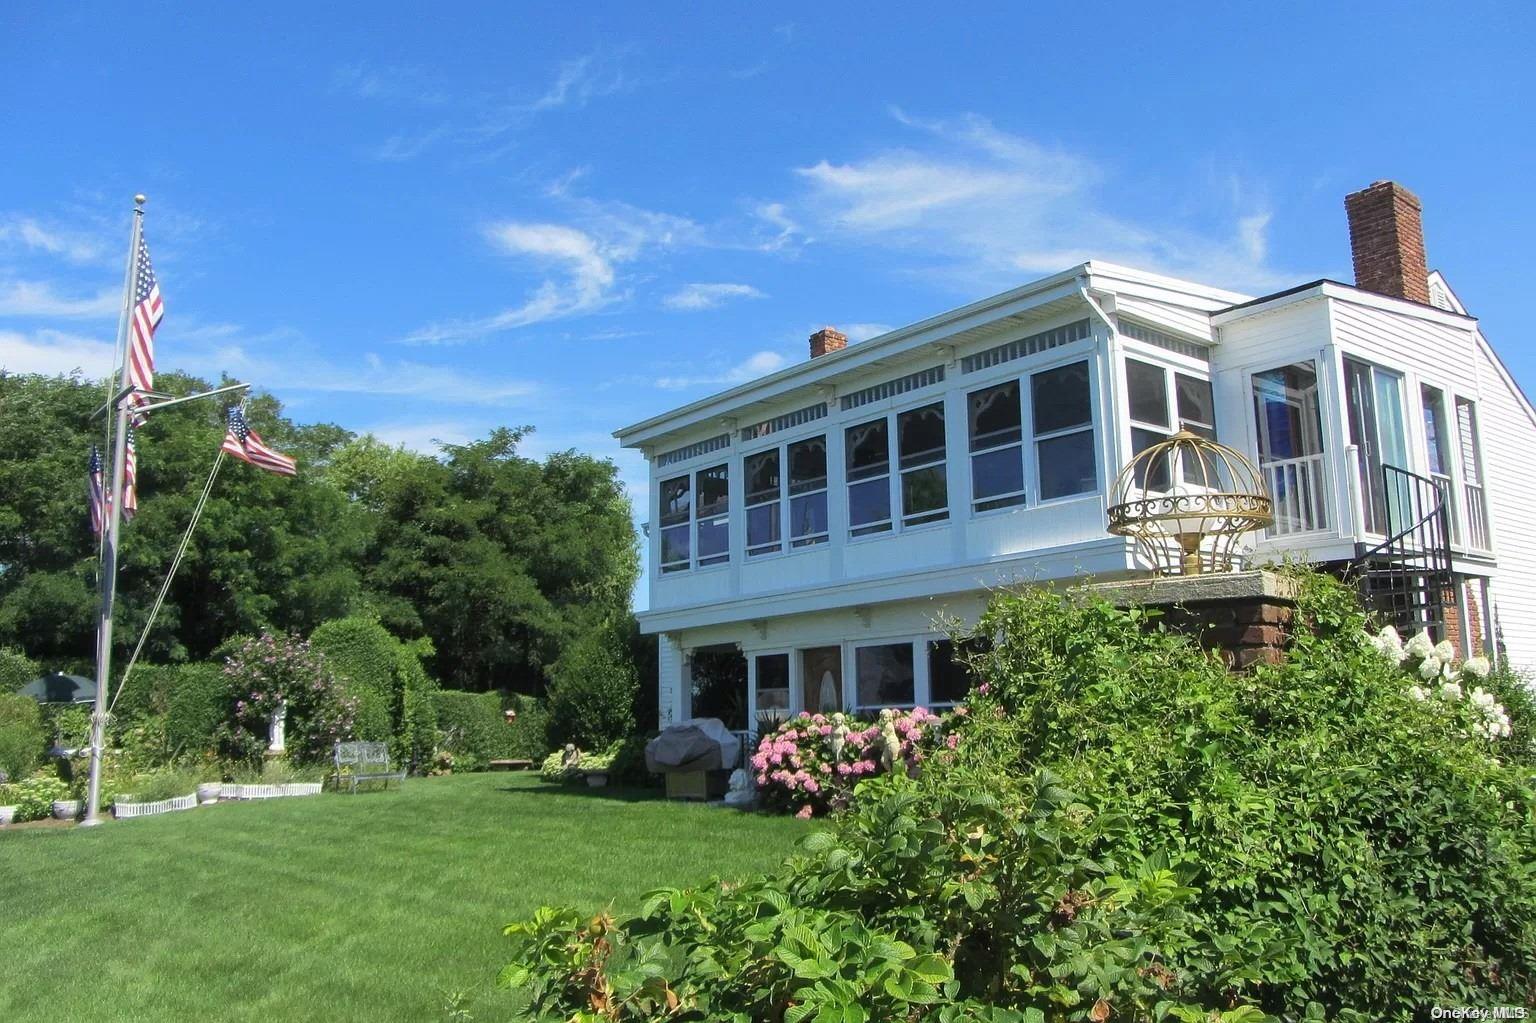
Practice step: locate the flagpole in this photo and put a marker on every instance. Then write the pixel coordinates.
(110, 533)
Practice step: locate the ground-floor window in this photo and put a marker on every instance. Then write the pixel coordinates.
(773, 682)
(884, 675)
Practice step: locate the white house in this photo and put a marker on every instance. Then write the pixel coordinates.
(821, 520)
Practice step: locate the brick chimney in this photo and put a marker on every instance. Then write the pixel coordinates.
(1386, 236)
(827, 339)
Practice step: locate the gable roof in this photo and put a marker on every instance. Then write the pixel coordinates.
(1438, 278)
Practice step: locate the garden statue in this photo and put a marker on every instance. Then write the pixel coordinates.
(571, 758)
(740, 792)
(277, 728)
(827, 697)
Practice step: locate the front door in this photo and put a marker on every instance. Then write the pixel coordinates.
(822, 676)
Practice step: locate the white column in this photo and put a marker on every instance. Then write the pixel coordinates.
(673, 686)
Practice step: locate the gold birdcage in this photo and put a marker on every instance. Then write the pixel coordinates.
(1187, 502)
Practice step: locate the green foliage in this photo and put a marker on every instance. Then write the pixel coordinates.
(592, 691)
(1125, 830)
(22, 740)
(1517, 692)
(473, 729)
(393, 690)
(528, 736)
(165, 783)
(33, 797)
(194, 701)
(270, 670)
(16, 670)
(556, 767)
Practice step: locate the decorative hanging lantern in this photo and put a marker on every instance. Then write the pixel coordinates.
(1186, 502)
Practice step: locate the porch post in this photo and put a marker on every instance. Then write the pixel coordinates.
(673, 686)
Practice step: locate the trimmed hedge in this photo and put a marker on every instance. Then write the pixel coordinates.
(16, 670)
(475, 731)
(194, 698)
(391, 686)
(22, 740)
(592, 691)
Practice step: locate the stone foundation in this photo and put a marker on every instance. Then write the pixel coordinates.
(1246, 616)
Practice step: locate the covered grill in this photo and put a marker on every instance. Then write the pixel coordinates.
(696, 756)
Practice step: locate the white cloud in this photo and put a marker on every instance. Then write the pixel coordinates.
(693, 297)
(755, 365)
(581, 80)
(386, 378)
(424, 438)
(71, 245)
(989, 204)
(864, 331)
(51, 352)
(37, 298)
(787, 232)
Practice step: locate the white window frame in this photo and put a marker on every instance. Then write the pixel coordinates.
(663, 566)
(1013, 499)
(693, 562)
(897, 520)
(786, 543)
(786, 486)
(1171, 372)
(1092, 427)
(919, 672)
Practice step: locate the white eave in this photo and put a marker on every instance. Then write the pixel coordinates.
(1343, 293)
(1037, 298)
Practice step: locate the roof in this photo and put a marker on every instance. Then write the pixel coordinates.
(1035, 298)
(1436, 276)
(1326, 288)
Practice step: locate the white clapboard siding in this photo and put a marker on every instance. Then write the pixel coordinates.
(1194, 322)
(1507, 429)
(1439, 351)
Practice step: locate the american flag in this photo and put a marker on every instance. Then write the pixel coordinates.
(244, 443)
(130, 478)
(147, 313)
(97, 493)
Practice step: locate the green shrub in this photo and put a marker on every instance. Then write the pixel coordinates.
(16, 670)
(472, 728)
(559, 766)
(528, 735)
(592, 691)
(22, 740)
(269, 670)
(33, 797)
(166, 783)
(391, 686)
(1124, 831)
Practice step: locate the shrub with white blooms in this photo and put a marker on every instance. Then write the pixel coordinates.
(1434, 665)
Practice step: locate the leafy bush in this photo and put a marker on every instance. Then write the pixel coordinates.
(562, 765)
(16, 670)
(392, 688)
(269, 670)
(528, 736)
(193, 701)
(1125, 830)
(473, 729)
(592, 691)
(811, 763)
(22, 740)
(33, 797)
(166, 783)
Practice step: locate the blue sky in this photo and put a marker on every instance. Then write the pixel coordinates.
(429, 223)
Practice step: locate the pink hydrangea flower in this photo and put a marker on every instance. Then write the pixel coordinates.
(805, 812)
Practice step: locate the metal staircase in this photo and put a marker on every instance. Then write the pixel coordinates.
(1407, 578)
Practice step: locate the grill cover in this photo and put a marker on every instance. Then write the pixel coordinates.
(698, 744)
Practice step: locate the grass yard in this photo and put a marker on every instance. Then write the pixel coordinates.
(367, 907)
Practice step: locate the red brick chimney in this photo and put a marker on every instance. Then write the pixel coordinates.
(1386, 236)
(827, 339)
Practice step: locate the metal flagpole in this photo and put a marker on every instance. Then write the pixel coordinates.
(110, 533)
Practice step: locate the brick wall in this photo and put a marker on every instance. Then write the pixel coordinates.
(1247, 631)
(1386, 238)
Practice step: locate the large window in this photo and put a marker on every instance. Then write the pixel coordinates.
(996, 429)
(773, 682)
(763, 527)
(1063, 421)
(1154, 418)
(1437, 441)
(694, 517)
(808, 492)
(949, 681)
(869, 478)
(885, 676)
(1288, 421)
(924, 491)
(1374, 397)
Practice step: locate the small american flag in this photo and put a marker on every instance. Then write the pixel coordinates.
(244, 443)
(130, 478)
(147, 313)
(97, 493)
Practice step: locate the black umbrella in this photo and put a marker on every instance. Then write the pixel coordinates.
(60, 688)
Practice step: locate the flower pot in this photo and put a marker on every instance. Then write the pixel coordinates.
(7, 814)
(597, 779)
(208, 792)
(66, 809)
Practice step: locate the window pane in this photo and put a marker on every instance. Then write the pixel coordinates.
(808, 465)
(1195, 402)
(1066, 465)
(773, 682)
(1286, 412)
(821, 668)
(885, 675)
(1147, 391)
(808, 515)
(714, 491)
(948, 680)
(1060, 398)
(714, 541)
(763, 528)
(869, 502)
(997, 472)
(995, 416)
(674, 548)
(675, 501)
(1140, 441)
(763, 476)
(869, 450)
(920, 435)
(1436, 436)
(924, 491)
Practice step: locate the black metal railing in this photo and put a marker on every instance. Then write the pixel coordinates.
(1407, 578)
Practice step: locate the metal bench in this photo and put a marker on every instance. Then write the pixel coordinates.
(369, 762)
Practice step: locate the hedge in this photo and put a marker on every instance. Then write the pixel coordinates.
(475, 731)
(386, 677)
(16, 670)
(194, 698)
(22, 740)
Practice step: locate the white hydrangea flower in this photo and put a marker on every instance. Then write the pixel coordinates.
(1445, 650)
(1429, 668)
(1483, 699)
(1420, 645)
(1477, 667)
(1389, 644)
(1418, 693)
(1450, 690)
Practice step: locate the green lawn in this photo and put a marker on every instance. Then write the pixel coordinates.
(366, 907)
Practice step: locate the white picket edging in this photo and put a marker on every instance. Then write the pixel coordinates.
(123, 810)
(230, 790)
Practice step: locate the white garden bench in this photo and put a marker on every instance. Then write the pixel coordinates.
(369, 762)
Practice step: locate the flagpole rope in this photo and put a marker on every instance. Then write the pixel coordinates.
(165, 587)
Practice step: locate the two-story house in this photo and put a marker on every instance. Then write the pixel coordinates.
(818, 522)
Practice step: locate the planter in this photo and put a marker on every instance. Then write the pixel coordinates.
(124, 809)
(208, 792)
(597, 779)
(66, 809)
(7, 814)
(230, 790)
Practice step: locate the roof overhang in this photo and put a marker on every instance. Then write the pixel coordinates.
(1343, 293)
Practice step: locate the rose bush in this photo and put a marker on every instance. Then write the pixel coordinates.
(272, 670)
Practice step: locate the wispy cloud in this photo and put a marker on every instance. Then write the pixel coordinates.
(993, 204)
(581, 80)
(786, 231)
(695, 297)
(864, 331)
(74, 246)
(756, 365)
(38, 298)
(53, 352)
(387, 82)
